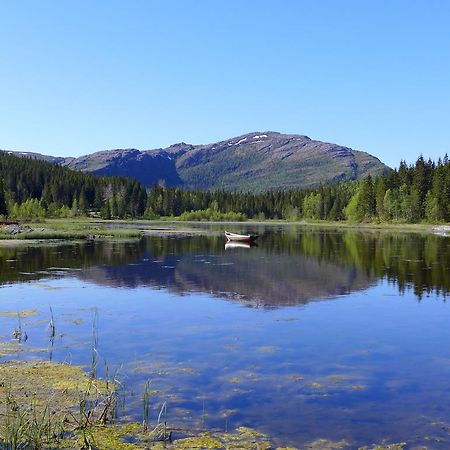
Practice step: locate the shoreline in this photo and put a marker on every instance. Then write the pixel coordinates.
(58, 230)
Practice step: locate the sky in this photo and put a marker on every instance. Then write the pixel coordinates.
(83, 76)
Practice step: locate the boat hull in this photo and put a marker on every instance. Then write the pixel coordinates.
(240, 237)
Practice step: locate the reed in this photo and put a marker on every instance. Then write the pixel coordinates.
(18, 333)
(52, 325)
(94, 348)
(34, 427)
(79, 414)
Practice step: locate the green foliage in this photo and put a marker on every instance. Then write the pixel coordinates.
(36, 189)
(397, 196)
(211, 215)
(352, 211)
(391, 205)
(57, 188)
(432, 213)
(292, 214)
(362, 205)
(312, 206)
(3, 210)
(29, 210)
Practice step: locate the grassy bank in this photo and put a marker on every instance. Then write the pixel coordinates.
(87, 228)
(63, 229)
(398, 227)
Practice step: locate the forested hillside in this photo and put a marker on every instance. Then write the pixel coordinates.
(410, 194)
(37, 189)
(34, 188)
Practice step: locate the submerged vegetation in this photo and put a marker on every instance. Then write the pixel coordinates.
(47, 405)
(51, 405)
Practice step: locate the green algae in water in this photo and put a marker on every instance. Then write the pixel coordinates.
(38, 402)
(45, 380)
(397, 446)
(267, 349)
(60, 385)
(325, 444)
(24, 313)
(235, 380)
(14, 348)
(297, 377)
(204, 440)
(107, 437)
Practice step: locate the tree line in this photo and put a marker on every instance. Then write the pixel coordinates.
(31, 188)
(411, 193)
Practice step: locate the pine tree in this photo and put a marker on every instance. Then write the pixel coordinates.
(367, 201)
(380, 191)
(3, 210)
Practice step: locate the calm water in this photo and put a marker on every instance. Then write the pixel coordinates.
(341, 335)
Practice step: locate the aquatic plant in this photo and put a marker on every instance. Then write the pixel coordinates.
(51, 325)
(146, 406)
(94, 348)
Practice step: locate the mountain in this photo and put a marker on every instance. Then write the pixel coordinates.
(252, 162)
(149, 167)
(40, 157)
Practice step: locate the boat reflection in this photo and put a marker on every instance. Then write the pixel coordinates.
(307, 264)
(235, 244)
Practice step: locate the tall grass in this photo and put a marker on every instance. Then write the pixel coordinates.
(94, 348)
(35, 427)
(41, 421)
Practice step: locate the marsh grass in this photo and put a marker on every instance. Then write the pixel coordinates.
(19, 334)
(62, 229)
(146, 406)
(62, 410)
(94, 348)
(72, 235)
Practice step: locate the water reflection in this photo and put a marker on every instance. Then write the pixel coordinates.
(290, 266)
(231, 245)
(344, 370)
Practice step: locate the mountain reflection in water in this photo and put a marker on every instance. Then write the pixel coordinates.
(344, 370)
(290, 266)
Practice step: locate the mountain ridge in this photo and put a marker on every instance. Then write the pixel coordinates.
(255, 161)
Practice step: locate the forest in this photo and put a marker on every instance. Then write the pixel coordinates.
(32, 189)
(411, 193)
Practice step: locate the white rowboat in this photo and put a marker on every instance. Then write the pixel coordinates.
(240, 237)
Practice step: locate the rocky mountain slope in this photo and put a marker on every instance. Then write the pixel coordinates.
(255, 161)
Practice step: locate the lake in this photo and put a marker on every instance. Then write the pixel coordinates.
(332, 334)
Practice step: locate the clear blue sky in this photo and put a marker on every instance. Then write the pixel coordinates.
(82, 76)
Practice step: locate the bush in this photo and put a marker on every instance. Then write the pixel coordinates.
(29, 210)
(205, 215)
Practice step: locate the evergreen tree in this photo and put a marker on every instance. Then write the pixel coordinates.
(3, 210)
(105, 212)
(380, 191)
(367, 200)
